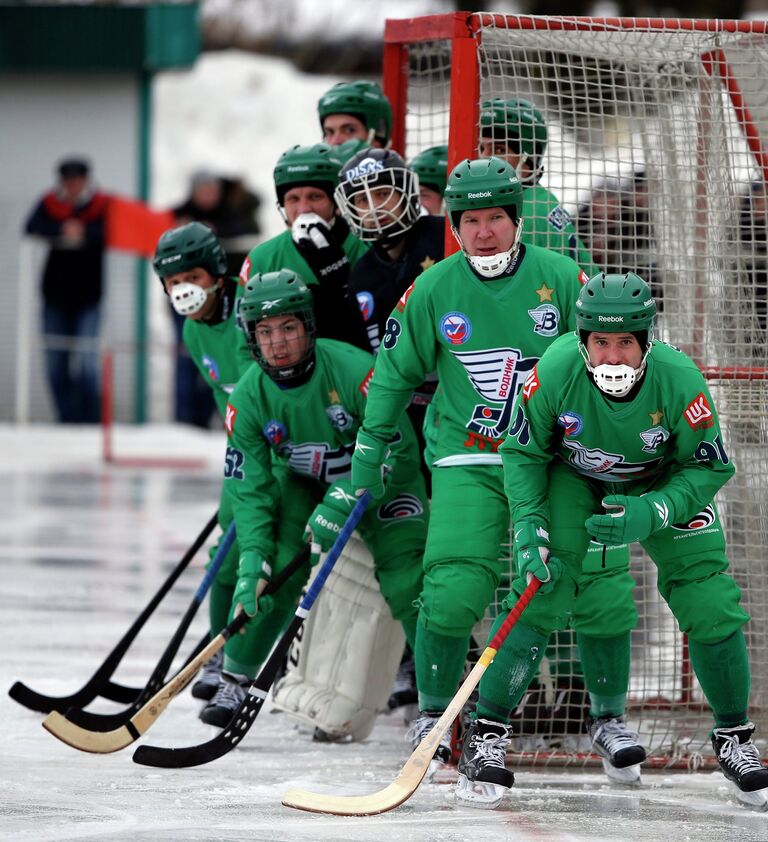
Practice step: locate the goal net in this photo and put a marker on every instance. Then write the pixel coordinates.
(657, 138)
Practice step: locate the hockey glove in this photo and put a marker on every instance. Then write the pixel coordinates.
(320, 245)
(368, 468)
(253, 574)
(630, 518)
(532, 555)
(328, 518)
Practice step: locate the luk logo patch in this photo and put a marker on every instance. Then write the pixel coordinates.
(456, 328)
(275, 433)
(339, 417)
(403, 300)
(229, 419)
(245, 272)
(698, 413)
(366, 304)
(701, 520)
(209, 364)
(530, 386)
(653, 438)
(404, 505)
(546, 319)
(363, 387)
(572, 423)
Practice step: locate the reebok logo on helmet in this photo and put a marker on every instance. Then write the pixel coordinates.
(485, 194)
(610, 319)
(298, 168)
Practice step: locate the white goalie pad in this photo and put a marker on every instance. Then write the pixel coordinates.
(342, 666)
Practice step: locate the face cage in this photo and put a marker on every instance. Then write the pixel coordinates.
(494, 265)
(278, 373)
(381, 224)
(602, 379)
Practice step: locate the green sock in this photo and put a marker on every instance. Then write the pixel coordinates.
(440, 660)
(606, 662)
(563, 654)
(723, 672)
(219, 603)
(507, 678)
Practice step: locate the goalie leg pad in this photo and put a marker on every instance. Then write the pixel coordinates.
(341, 669)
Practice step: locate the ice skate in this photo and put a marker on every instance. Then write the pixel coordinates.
(619, 748)
(404, 690)
(420, 728)
(206, 686)
(227, 699)
(740, 762)
(483, 777)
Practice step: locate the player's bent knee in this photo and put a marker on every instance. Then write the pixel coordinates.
(708, 610)
(456, 594)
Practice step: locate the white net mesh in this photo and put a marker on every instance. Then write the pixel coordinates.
(655, 147)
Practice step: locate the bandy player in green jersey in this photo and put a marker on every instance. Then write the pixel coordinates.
(616, 437)
(482, 318)
(291, 424)
(191, 263)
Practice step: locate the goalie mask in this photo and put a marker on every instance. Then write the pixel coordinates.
(520, 126)
(283, 350)
(616, 304)
(485, 183)
(182, 249)
(378, 195)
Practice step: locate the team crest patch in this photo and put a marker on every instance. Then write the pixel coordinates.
(229, 419)
(275, 432)
(698, 413)
(572, 423)
(546, 319)
(366, 304)
(559, 218)
(339, 417)
(209, 364)
(456, 328)
(653, 438)
(701, 520)
(404, 505)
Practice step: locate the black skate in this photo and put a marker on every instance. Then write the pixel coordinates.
(740, 762)
(206, 686)
(483, 777)
(420, 728)
(227, 699)
(618, 746)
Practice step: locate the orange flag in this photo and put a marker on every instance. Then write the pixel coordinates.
(134, 226)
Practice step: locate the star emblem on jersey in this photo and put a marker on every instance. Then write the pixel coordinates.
(333, 396)
(426, 263)
(656, 417)
(544, 293)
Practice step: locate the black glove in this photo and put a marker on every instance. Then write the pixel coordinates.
(320, 244)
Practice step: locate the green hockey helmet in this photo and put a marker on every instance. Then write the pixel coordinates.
(187, 247)
(365, 101)
(431, 165)
(520, 125)
(276, 294)
(300, 166)
(616, 304)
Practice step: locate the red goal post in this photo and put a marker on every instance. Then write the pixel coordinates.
(658, 149)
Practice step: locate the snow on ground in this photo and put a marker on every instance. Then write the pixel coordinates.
(83, 546)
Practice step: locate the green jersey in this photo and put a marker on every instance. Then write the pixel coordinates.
(280, 252)
(548, 224)
(667, 438)
(310, 429)
(219, 350)
(482, 337)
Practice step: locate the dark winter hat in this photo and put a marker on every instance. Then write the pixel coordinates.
(73, 168)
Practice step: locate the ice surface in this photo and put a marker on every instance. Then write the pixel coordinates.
(84, 546)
